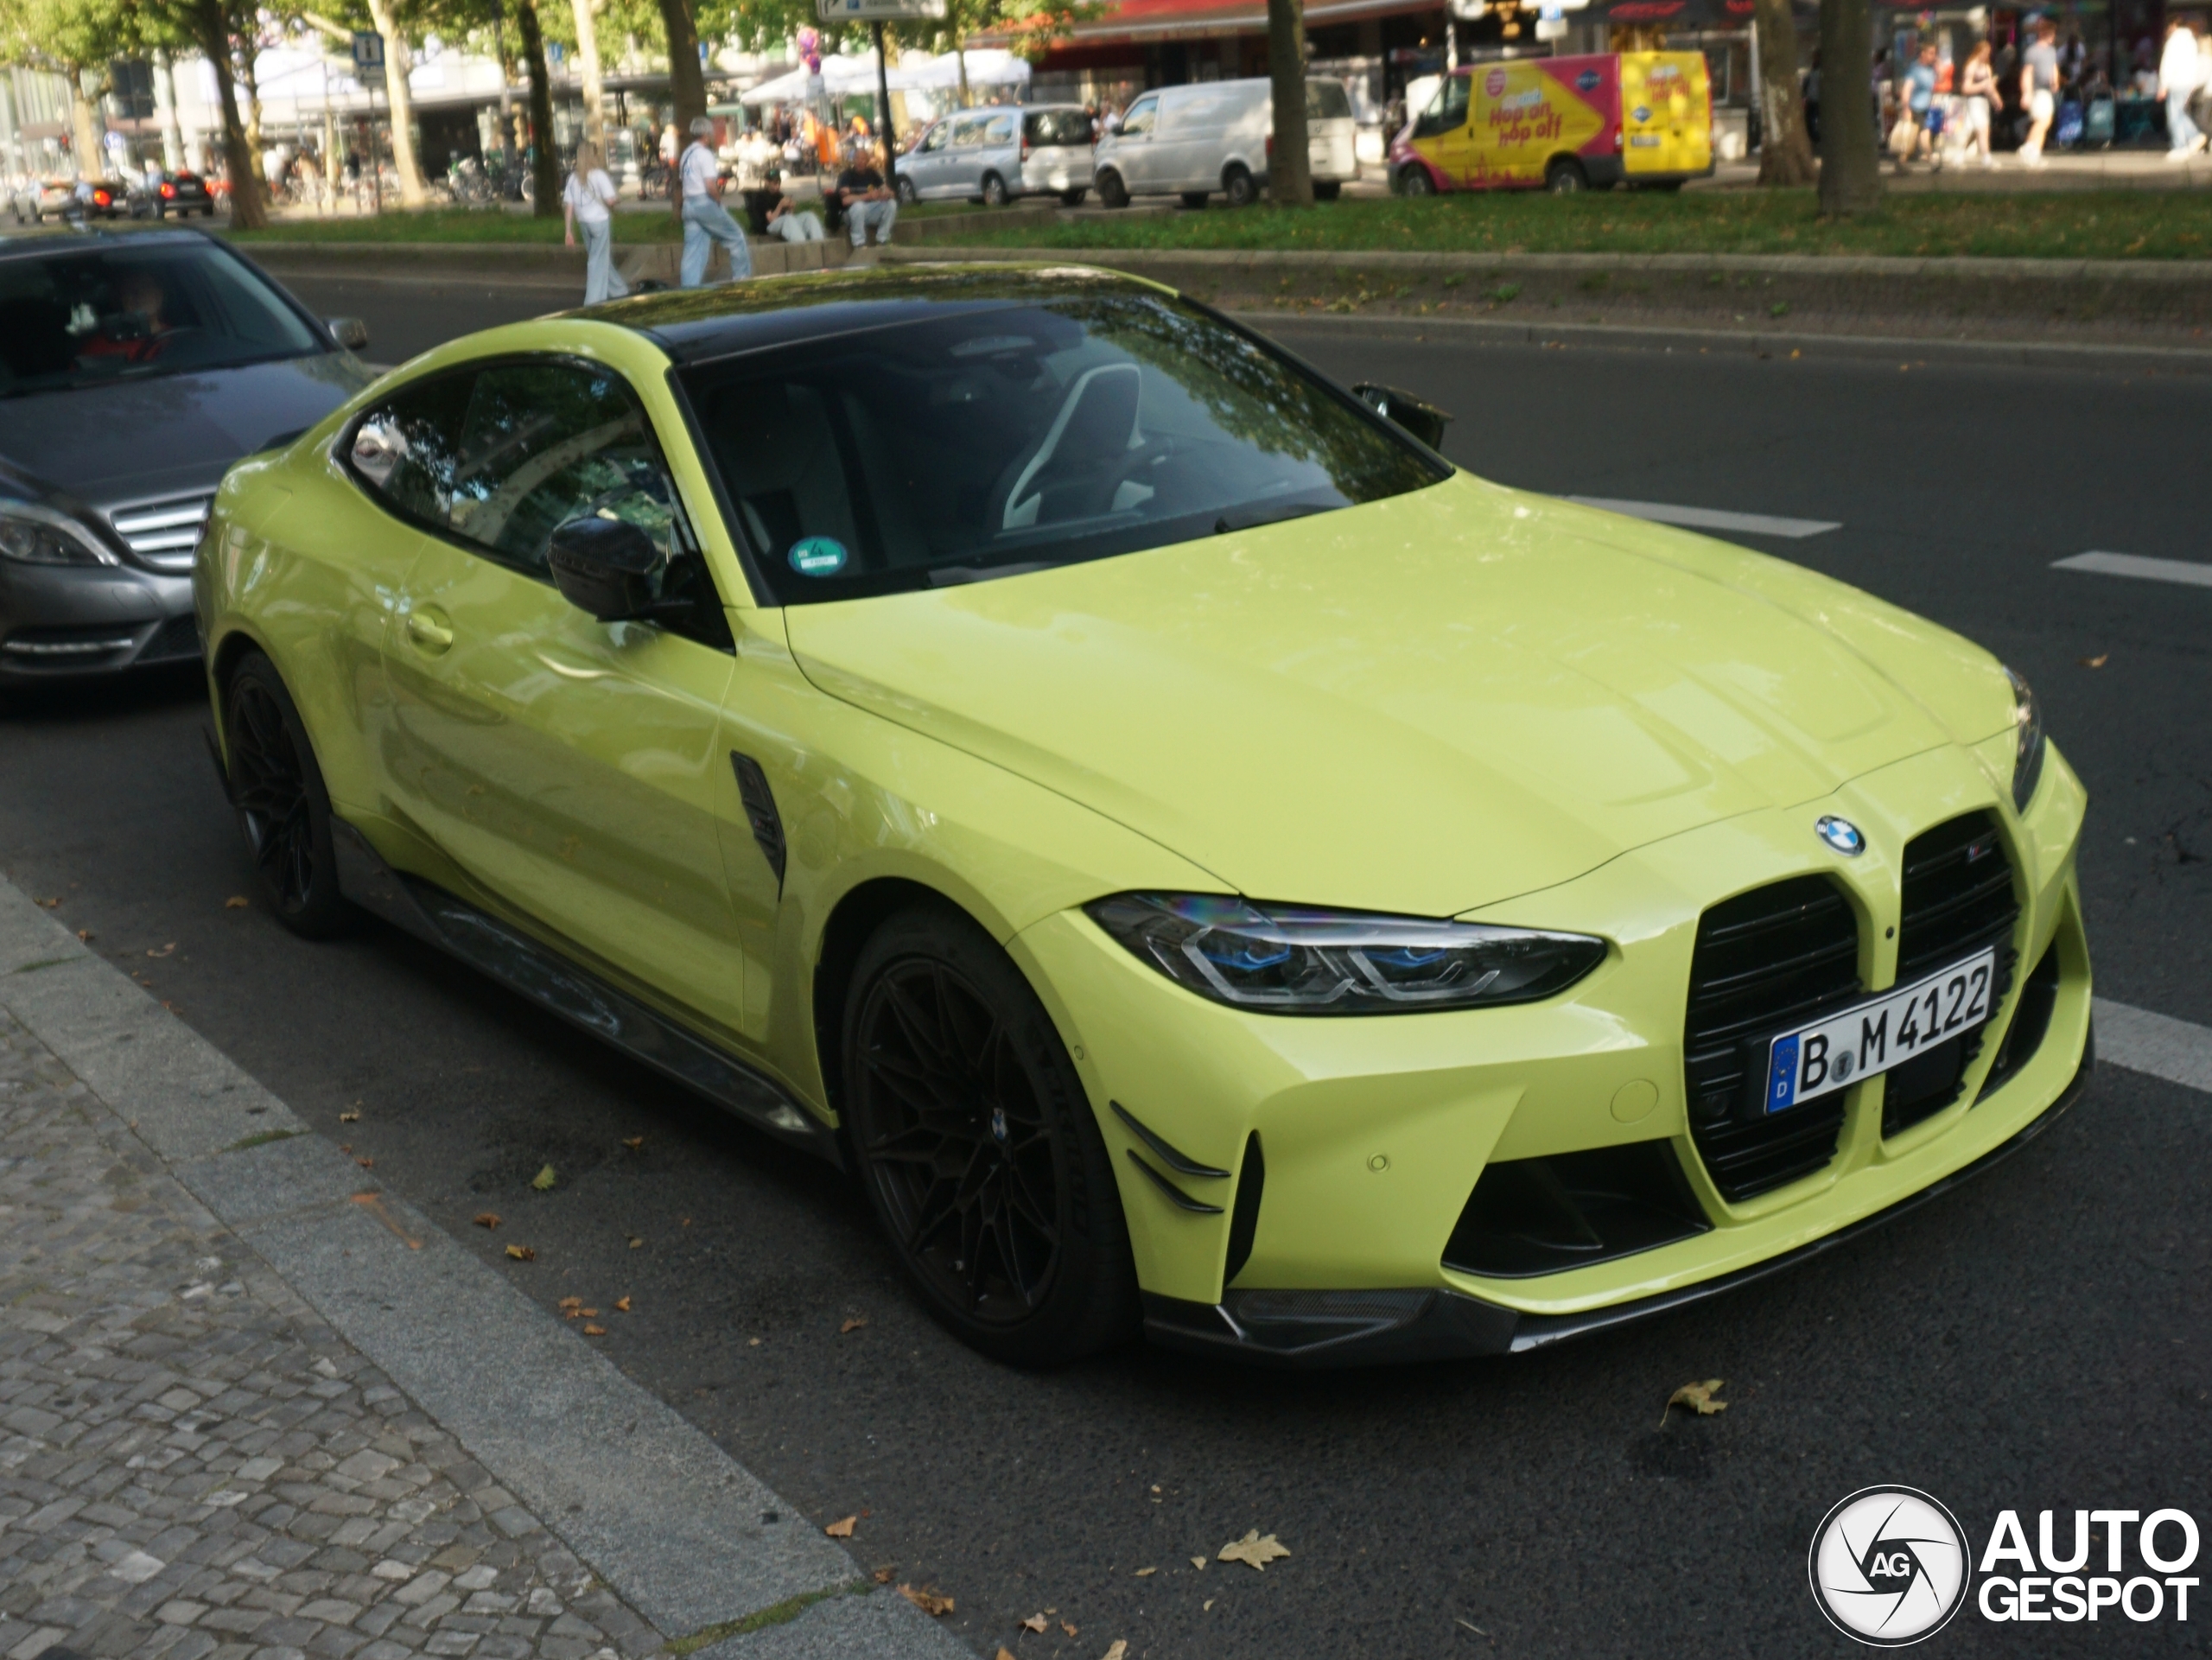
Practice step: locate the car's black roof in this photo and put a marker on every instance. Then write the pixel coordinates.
(695, 325)
(60, 242)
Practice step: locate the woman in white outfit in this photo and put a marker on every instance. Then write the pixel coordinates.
(585, 199)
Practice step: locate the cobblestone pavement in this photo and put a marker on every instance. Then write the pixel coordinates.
(193, 1464)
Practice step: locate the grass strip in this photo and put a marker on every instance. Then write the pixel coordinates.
(486, 226)
(2057, 224)
(780, 1613)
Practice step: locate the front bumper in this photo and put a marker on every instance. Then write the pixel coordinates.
(60, 622)
(1375, 1132)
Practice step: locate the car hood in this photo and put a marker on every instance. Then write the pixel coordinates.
(169, 433)
(1424, 704)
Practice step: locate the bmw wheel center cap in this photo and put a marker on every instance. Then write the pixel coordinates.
(1840, 834)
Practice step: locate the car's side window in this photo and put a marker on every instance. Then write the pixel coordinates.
(1000, 131)
(404, 449)
(1139, 120)
(967, 131)
(939, 134)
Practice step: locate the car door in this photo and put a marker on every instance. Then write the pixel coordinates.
(1133, 145)
(998, 150)
(573, 768)
(923, 167)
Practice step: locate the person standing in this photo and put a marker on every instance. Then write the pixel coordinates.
(706, 221)
(2179, 70)
(2039, 91)
(867, 202)
(585, 200)
(1977, 101)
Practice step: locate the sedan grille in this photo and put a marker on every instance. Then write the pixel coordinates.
(162, 534)
(1775, 958)
(1958, 899)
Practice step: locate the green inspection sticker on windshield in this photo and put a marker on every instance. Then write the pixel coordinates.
(817, 556)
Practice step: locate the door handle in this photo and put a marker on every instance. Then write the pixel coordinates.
(429, 630)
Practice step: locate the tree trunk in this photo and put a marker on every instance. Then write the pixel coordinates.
(1290, 171)
(544, 164)
(686, 88)
(85, 126)
(165, 95)
(401, 102)
(1851, 177)
(250, 77)
(1785, 150)
(211, 30)
(588, 59)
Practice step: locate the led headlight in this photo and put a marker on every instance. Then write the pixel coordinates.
(39, 536)
(1290, 960)
(2027, 753)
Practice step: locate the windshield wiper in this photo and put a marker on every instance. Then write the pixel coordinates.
(1253, 518)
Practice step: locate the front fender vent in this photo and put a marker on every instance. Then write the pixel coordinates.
(760, 812)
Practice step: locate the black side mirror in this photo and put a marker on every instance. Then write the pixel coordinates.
(1424, 420)
(605, 566)
(349, 332)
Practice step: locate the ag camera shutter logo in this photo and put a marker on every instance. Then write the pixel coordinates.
(1889, 1565)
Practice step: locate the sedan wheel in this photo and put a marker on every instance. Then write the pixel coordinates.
(976, 1144)
(907, 197)
(284, 811)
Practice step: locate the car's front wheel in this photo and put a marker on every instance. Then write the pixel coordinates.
(1112, 191)
(994, 191)
(283, 810)
(975, 1140)
(907, 197)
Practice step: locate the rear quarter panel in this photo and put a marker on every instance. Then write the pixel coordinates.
(1666, 113)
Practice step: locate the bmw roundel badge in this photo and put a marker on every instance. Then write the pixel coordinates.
(1840, 834)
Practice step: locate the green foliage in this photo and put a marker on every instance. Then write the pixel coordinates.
(71, 35)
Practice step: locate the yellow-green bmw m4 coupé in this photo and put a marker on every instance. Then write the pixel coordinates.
(1204, 864)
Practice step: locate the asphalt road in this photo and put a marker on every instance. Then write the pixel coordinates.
(2035, 1341)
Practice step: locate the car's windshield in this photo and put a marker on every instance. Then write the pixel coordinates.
(996, 440)
(85, 315)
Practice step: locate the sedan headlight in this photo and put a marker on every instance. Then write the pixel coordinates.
(1288, 960)
(39, 536)
(2027, 751)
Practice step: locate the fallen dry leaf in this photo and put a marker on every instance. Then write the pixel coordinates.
(1068, 1625)
(1198, 1562)
(1698, 1397)
(2098, 661)
(622, 1305)
(594, 1331)
(1034, 1622)
(543, 1179)
(928, 1601)
(850, 1325)
(165, 951)
(1252, 1550)
(1209, 1607)
(367, 1164)
(488, 1218)
(84, 933)
(571, 1302)
(636, 1243)
(841, 1528)
(633, 1143)
(236, 902)
(883, 1574)
(752, 1342)
(522, 1253)
(349, 1117)
(1147, 1573)
(1004, 1653)
(1115, 1650)
(50, 904)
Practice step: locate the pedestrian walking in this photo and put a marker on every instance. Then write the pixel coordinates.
(1977, 103)
(1920, 103)
(2180, 70)
(585, 201)
(867, 203)
(706, 221)
(2039, 91)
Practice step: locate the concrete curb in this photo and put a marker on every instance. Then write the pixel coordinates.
(1887, 348)
(678, 1529)
(1292, 259)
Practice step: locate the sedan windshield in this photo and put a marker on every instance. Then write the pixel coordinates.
(1003, 438)
(87, 315)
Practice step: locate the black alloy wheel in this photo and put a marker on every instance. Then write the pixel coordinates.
(978, 1149)
(283, 812)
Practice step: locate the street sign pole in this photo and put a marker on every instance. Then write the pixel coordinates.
(368, 69)
(883, 111)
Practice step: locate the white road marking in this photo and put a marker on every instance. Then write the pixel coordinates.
(2177, 1051)
(1711, 518)
(2186, 572)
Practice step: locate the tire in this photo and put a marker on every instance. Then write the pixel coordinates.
(1073, 198)
(994, 191)
(1112, 191)
(284, 811)
(1414, 180)
(976, 1143)
(907, 197)
(1328, 189)
(1565, 176)
(1236, 185)
(1194, 199)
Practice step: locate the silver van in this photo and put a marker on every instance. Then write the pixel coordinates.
(995, 155)
(1192, 141)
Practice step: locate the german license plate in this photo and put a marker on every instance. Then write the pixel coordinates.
(1885, 1031)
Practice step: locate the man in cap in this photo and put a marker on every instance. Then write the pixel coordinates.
(705, 220)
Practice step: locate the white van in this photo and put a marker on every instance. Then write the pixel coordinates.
(1217, 135)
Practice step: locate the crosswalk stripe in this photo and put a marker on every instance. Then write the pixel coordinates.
(2178, 1051)
(1711, 518)
(2185, 571)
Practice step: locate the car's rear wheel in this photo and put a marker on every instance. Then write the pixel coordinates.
(1236, 184)
(1112, 191)
(1565, 176)
(283, 810)
(1328, 189)
(974, 1138)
